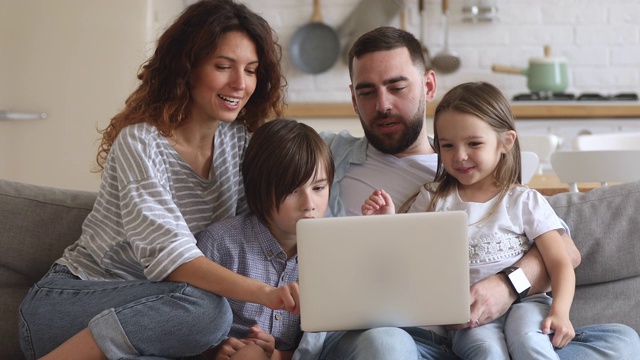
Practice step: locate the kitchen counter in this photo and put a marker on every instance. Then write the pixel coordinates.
(522, 110)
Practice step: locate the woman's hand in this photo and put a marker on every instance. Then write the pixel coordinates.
(285, 297)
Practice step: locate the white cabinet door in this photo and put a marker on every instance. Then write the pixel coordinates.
(75, 60)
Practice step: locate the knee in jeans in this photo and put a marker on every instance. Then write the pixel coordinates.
(481, 350)
(387, 338)
(210, 321)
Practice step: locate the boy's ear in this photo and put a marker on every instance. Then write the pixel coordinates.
(508, 139)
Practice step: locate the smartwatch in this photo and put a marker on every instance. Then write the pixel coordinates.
(518, 281)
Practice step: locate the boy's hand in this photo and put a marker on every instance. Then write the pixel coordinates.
(562, 328)
(378, 203)
(226, 349)
(263, 339)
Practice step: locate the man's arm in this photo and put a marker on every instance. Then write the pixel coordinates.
(492, 296)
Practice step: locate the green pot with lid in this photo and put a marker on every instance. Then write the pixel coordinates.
(547, 74)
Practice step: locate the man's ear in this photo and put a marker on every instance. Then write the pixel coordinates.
(508, 139)
(430, 85)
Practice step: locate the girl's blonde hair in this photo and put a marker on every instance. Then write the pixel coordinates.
(486, 102)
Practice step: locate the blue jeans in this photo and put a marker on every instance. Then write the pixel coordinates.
(602, 342)
(386, 344)
(128, 319)
(517, 333)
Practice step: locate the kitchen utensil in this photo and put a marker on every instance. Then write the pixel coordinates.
(446, 61)
(546, 74)
(366, 16)
(425, 50)
(315, 47)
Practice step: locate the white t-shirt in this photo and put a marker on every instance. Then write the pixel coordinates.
(502, 239)
(400, 177)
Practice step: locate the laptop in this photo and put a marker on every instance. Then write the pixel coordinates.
(362, 272)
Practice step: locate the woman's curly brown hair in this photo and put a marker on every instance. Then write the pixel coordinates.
(163, 98)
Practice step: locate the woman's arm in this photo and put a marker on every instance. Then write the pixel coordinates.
(210, 276)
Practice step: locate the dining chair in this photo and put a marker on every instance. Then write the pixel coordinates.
(608, 141)
(601, 166)
(541, 144)
(529, 165)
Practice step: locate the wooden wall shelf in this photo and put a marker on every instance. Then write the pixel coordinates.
(521, 111)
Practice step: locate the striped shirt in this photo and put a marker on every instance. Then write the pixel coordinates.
(151, 203)
(243, 244)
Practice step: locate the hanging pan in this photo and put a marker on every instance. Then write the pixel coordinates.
(314, 48)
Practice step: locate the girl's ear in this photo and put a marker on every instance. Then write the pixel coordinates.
(508, 139)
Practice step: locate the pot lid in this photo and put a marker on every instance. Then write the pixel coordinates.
(547, 59)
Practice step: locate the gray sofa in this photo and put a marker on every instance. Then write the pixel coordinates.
(37, 223)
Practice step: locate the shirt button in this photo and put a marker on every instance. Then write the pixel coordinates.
(282, 256)
(278, 316)
(269, 253)
(284, 278)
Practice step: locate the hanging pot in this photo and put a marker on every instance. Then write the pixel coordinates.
(315, 47)
(546, 74)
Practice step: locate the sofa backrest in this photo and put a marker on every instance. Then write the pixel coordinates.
(605, 226)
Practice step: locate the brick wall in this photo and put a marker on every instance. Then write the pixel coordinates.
(600, 39)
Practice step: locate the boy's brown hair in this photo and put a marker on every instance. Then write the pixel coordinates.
(282, 155)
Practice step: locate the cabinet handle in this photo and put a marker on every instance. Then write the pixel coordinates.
(12, 115)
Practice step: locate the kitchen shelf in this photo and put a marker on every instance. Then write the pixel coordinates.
(537, 110)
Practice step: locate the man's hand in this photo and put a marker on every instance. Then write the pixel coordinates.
(491, 297)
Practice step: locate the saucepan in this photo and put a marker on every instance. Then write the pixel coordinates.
(315, 47)
(546, 74)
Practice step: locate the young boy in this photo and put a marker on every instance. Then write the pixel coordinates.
(287, 172)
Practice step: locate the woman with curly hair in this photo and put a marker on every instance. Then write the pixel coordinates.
(135, 284)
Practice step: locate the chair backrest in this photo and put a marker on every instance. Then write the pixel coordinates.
(603, 166)
(541, 144)
(530, 164)
(610, 141)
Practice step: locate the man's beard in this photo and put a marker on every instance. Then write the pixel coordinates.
(387, 144)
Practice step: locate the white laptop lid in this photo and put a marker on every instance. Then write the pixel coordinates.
(360, 272)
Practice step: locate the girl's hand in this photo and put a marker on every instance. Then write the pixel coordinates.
(263, 339)
(563, 330)
(378, 203)
(285, 297)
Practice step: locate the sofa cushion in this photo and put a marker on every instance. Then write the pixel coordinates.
(605, 227)
(36, 224)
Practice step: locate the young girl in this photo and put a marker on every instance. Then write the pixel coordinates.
(135, 284)
(287, 173)
(479, 172)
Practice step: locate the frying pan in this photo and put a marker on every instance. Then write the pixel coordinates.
(314, 48)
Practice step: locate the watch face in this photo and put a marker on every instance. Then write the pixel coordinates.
(519, 281)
